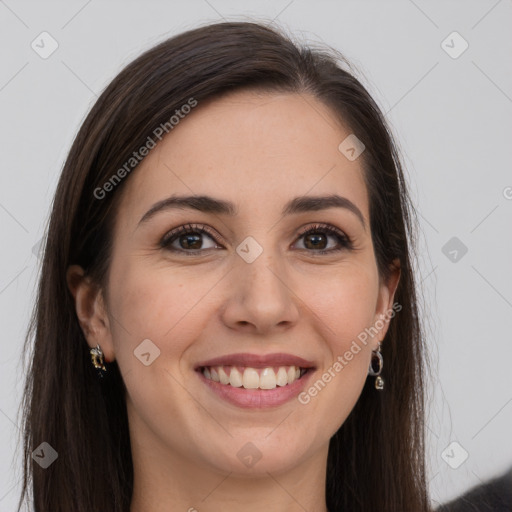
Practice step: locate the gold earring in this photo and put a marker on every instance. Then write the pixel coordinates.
(97, 359)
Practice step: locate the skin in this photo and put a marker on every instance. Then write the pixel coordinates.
(258, 150)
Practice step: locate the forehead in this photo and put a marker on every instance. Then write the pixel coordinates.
(255, 149)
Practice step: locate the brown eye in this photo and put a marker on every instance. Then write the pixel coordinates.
(190, 241)
(316, 239)
(187, 239)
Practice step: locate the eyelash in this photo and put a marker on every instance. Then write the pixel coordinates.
(344, 241)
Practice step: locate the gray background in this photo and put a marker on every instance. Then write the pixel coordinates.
(452, 117)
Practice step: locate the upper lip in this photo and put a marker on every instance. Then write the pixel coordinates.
(257, 360)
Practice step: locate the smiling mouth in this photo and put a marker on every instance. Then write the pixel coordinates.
(253, 378)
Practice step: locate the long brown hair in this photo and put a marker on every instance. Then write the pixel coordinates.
(376, 459)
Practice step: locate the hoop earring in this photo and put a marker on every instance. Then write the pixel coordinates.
(379, 381)
(98, 361)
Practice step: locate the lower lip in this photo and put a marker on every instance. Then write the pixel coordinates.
(258, 398)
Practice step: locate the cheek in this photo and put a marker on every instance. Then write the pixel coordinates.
(344, 303)
(344, 309)
(165, 307)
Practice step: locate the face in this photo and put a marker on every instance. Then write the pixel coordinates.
(188, 286)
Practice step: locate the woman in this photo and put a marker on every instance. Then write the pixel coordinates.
(230, 248)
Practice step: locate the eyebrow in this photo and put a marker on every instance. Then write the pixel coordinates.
(209, 204)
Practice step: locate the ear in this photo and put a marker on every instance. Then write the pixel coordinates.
(91, 311)
(385, 310)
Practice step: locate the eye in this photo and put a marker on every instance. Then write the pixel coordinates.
(188, 238)
(316, 237)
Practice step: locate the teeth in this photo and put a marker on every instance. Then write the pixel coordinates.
(281, 377)
(223, 376)
(252, 378)
(268, 379)
(235, 378)
(214, 375)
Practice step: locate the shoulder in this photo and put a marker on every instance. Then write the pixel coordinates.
(492, 496)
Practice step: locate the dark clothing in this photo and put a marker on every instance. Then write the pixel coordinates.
(492, 496)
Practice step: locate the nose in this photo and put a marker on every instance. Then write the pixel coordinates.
(261, 295)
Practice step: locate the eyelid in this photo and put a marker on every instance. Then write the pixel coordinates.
(319, 226)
